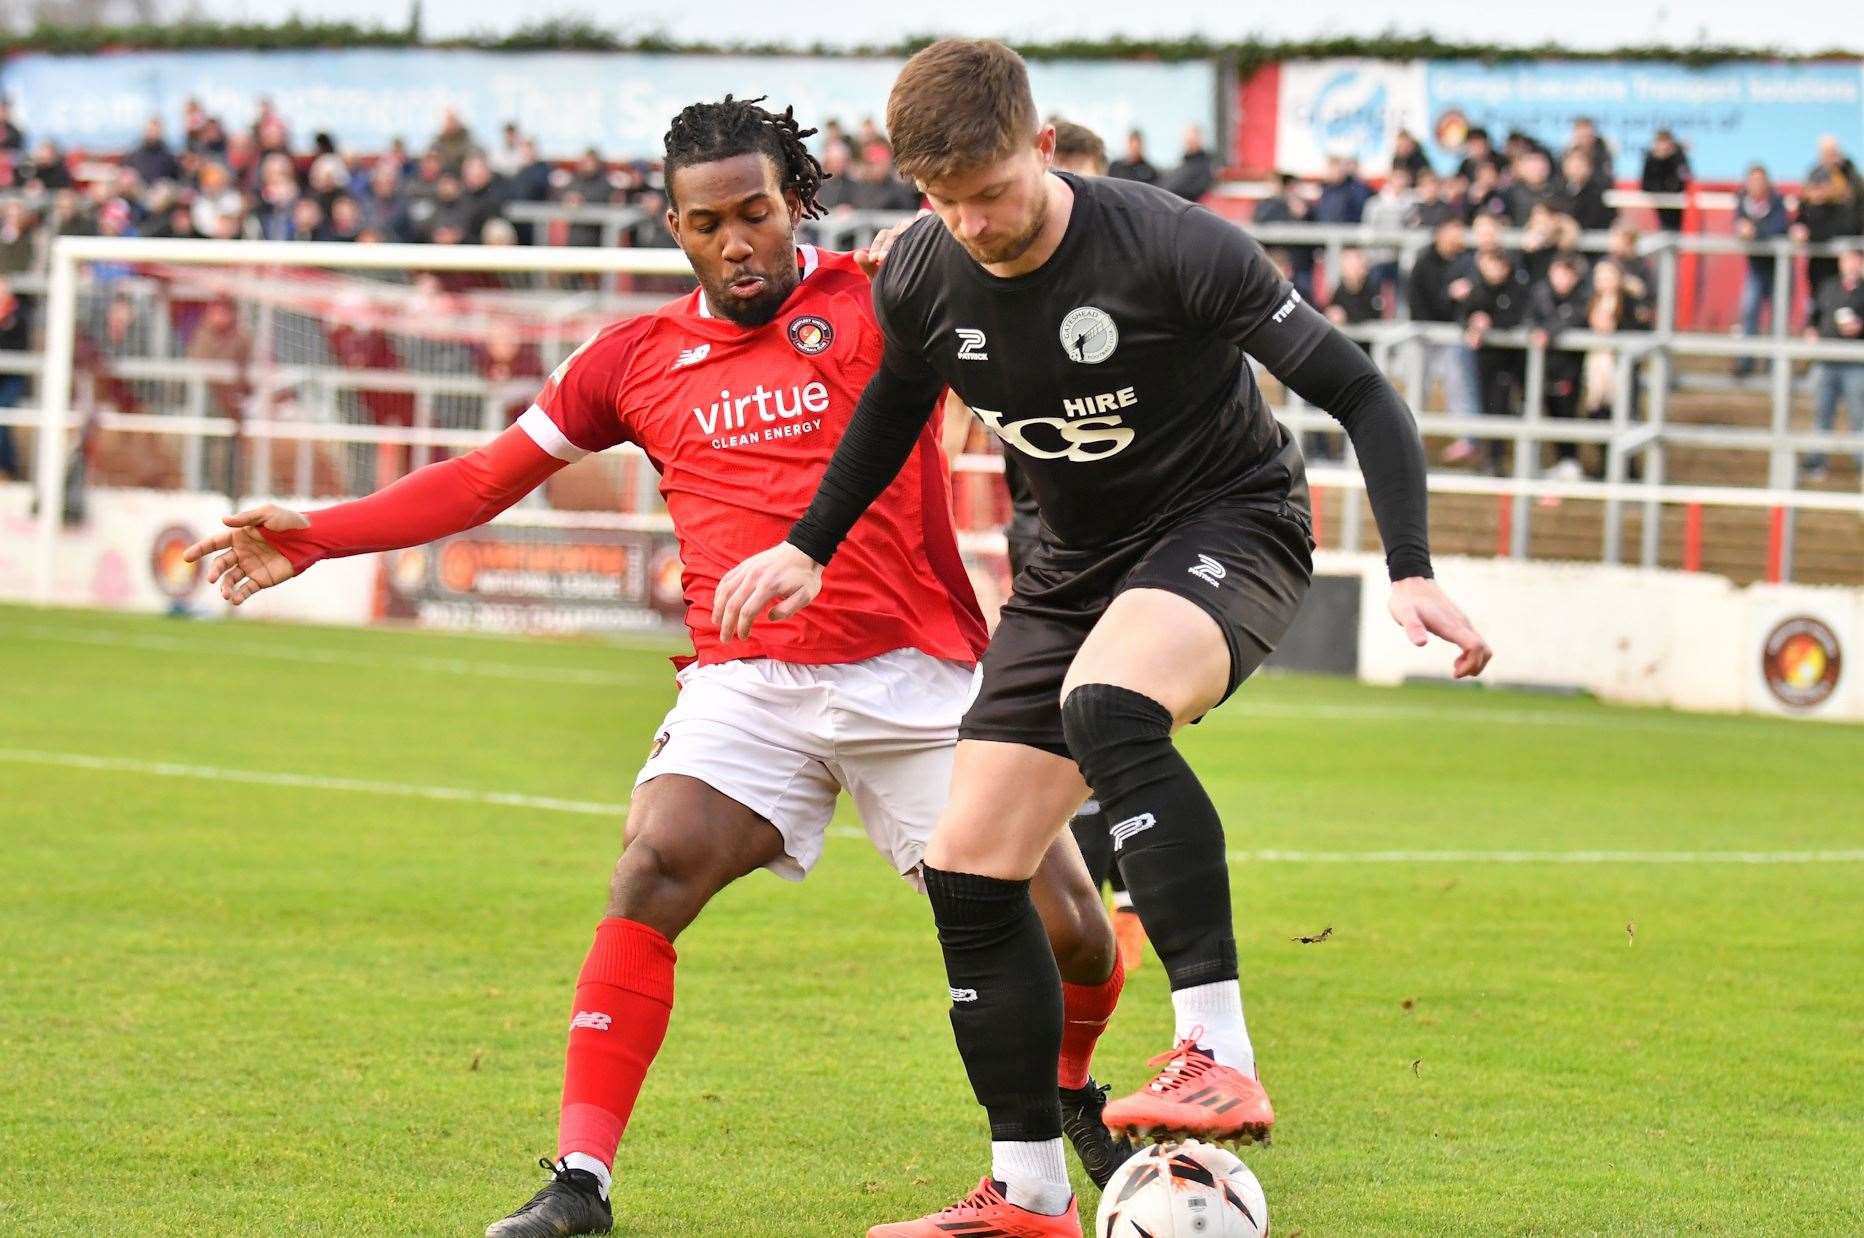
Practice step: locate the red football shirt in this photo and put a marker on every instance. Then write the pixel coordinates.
(740, 422)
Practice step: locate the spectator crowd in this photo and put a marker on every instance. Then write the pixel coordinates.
(1504, 224)
(262, 182)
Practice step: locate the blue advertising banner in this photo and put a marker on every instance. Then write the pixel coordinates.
(618, 102)
(1727, 116)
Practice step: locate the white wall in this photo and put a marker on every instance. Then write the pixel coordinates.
(1685, 640)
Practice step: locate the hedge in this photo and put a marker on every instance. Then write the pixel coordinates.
(578, 34)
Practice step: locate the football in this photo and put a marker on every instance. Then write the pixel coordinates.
(1181, 1190)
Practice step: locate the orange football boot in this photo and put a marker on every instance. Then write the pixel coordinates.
(985, 1213)
(1194, 1097)
(1131, 936)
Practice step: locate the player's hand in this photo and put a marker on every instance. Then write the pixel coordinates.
(875, 252)
(779, 581)
(248, 563)
(1423, 609)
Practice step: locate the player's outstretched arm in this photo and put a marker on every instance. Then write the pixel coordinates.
(267, 546)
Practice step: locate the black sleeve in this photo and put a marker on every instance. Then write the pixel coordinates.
(1229, 286)
(887, 421)
(1337, 376)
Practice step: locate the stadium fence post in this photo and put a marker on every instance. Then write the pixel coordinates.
(1783, 461)
(1657, 410)
(1527, 451)
(1615, 453)
(1657, 366)
(61, 324)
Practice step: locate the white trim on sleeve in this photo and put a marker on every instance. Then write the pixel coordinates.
(544, 432)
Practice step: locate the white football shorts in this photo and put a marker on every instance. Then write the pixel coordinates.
(784, 738)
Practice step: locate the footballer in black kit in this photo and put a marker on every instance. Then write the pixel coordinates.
(1103, 330)
(1115, 375)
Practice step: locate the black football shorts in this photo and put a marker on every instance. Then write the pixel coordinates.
(1247, 562)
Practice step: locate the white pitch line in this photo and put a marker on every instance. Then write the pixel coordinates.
(1475, 714)
(1853, 856)
(544, 803)
(221, 648)
(310, 782)
(1519, 857)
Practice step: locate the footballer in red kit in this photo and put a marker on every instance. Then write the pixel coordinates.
(740, 425)
(738, 393)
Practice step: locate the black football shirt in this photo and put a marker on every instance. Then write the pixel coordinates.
(1116, 373)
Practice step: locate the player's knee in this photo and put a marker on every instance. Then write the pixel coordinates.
(658, 885)
(1114, 734)
(1082, 940)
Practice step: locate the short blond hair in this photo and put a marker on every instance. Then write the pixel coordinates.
(959, 103)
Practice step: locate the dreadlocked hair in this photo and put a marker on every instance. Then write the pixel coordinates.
(706, 132)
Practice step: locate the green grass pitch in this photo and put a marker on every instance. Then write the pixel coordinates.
(234, 1006)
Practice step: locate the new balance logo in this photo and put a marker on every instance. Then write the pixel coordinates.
(594, 1019)
(971, 345)
(1131, 826)
(1208, 570)
(963, 995)
(692, 356)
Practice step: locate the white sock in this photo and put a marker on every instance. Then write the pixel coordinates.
(1217, 1009)
(1122, 900)
(582, 1160)
(1033, 1174)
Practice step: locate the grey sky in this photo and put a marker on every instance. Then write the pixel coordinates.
(1812, 24)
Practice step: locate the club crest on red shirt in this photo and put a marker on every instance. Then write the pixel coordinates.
(810, 334)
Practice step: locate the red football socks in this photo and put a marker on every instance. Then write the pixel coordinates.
(1085, 1011)
(624, 997)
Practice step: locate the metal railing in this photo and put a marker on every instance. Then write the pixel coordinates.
(1637, 435)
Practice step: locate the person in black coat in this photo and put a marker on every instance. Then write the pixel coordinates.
(1135, 166)
(1427, 289)
(1666, 170)
(1192, 178)
(1581, 193)
(1356, 296)
(1831, 205)
(1497, 301)
(1288, 206)
(1585, 139)
(1558, 304)
(1407, 154)
(152, 160)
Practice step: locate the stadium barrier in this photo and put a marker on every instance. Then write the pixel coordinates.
(94, 564)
